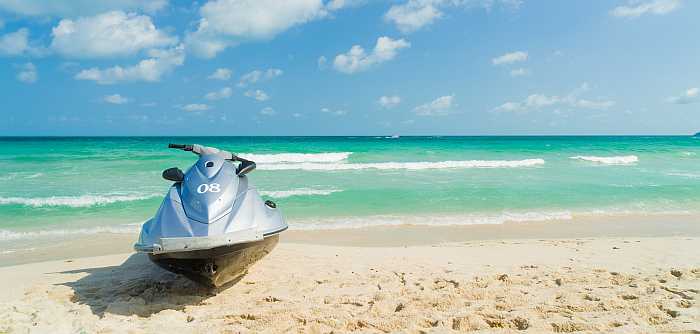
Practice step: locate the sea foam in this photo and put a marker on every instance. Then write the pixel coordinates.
(74, 201)
(297, 157)
(6, 235)
(612, 160)
(422, 165)
(428, 220)
(298, 192)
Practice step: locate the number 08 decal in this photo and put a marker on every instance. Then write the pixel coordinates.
(211, 188)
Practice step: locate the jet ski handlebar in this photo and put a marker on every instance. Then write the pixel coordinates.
(244, 167)
(181, 147)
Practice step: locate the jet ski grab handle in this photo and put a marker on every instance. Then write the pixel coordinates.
(245, 166)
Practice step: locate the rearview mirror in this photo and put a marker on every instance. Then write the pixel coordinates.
(245, 167)
(173, 174)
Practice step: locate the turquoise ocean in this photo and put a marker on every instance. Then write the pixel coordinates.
(58, 187)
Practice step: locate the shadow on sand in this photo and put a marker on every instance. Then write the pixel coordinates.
(136, 287)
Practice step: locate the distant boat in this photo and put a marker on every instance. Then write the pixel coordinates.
(393, 137)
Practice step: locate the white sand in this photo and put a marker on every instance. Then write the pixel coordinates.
(630, 285)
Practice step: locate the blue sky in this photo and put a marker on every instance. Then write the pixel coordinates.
(349, 67)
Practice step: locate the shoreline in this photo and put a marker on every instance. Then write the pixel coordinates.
(397, 236)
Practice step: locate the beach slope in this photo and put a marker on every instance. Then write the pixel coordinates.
(554, 285)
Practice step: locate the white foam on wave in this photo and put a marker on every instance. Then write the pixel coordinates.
(74, 201)
(457, 220)
(686, 175)
(612, 160)
(298, 192)
(6, 235)
(422, 165)
(297, 157)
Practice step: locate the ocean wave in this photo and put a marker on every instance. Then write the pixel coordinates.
(686, 175)
(408, 165)
(74, 201)
(456, 220)
(297, 157)
(298, 192)
(6, 235)
(613, 160)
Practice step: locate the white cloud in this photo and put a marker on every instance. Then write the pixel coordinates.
(27, 73)
(18, 44)
(259, 76)
(541, 101)
(510, 58)
(267, 111)
(110, 34)
(340, 4)
(337, 112)
(221, 74)
(519, 72)
(195, 107)
(151, 69)
(257, 94)
(389, 102)
(225, 23)
(635, 9)
(413, 15)
(357, 59)
(439, 107)
(691, 95)
(223, 93)
(115, 99)
(72, 8)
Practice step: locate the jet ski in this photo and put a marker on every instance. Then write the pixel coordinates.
(212, 225)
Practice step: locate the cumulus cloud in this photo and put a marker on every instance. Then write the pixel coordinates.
(519, 72)
(439, 107)
(27, 73)
(413, 15)
(195, 107)
(116, 99)
(691, 95)
(223, 93)
(221, 74)
(540, 101)
(110, 34)
(259, 76)
(257, 94)
(72, 8)
(267, 111)
(151, 69)
(340, 4)
(18, 44)
(335, 112)
(510, 58)
(389, 102)
(635, 9)
(226, 23)
(357, 59)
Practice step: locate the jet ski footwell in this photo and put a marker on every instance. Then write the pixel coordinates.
(215, 267)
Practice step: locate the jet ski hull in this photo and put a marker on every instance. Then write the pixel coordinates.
(219, 266)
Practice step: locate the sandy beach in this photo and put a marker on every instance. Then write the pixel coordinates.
(579, 284)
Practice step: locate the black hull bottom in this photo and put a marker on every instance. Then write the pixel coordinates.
(218, 266)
